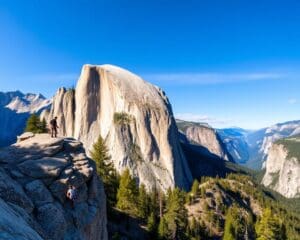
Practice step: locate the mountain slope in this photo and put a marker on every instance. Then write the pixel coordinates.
(133, 116)
(204, 136)
(215, 197)
(15, 108)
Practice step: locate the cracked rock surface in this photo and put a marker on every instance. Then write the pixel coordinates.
(34, 176)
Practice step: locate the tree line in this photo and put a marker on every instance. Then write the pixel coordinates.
(165, 214)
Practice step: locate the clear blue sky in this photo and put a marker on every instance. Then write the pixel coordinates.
(231, 63)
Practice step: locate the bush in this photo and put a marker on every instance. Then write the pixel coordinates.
(122, 118)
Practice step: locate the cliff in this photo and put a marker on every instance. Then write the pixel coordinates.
(283, 167)
(204, 136)
(34, 176)
(134, 117)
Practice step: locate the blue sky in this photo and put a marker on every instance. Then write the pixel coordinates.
(229, 63)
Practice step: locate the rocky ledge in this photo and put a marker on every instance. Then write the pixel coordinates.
(34, 176)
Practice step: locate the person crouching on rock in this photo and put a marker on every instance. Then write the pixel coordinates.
(54, 127)
(71, 195)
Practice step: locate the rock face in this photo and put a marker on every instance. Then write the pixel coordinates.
(234, 139)
(283, 167)
(15, 108)
(34, 176)
(134, 117)
(205, 136)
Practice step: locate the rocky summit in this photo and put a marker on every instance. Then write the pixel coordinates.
(34, 176)
(15, 108)
(133, 116)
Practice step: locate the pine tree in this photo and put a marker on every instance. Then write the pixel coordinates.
(195, 189)
(194, 229)
(238, 224)
(229, 232)
(175, 218)
(152, 225)
(162, 229)
(269, 227)
(44, 126)
(127, 193)
(105, 170)
(143, 202)
(35, 125)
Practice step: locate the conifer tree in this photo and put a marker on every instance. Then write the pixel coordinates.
(152, 225)
(162, 229)
(127, 193)
(269, 227)
(35, 125)
(238, 224)
(105, 170)
(195, 188)
(44, 126)
(143, 202)
(174, 222)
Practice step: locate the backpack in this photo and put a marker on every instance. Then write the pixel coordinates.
(52, 122)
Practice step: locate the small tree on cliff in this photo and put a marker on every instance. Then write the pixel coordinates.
(105, 170)
(35, 125)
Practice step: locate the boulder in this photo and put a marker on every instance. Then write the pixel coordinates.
(25, 136)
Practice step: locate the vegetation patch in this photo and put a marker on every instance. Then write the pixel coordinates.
(275, 179)
(35, 125)
(122, 118)
(135, 153)
(292, 145)
(184, 125)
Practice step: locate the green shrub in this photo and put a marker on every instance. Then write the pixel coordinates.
(122, 118)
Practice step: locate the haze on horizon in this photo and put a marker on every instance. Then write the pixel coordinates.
(228, 63)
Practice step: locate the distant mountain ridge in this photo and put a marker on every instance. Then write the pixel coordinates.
(251, 147)
(15, 108)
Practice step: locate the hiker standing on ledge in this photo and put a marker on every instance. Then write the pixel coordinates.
(54, 127)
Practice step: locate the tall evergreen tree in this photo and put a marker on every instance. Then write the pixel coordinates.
(127, 193)
(195, 188)
(105, 170)
(143, 202)
(238, 224)
(44, 126)
(163, 229)
(174, 222)
(35, 125)
(269, 227)
(152, 225)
